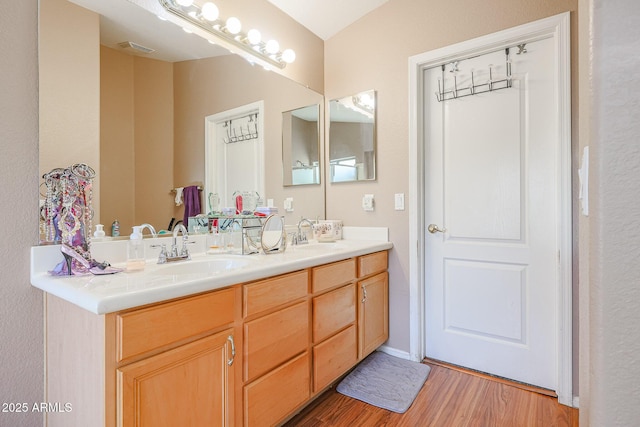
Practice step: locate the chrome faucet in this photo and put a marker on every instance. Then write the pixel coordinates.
(151, 229)
(184, 252)
(301, 238)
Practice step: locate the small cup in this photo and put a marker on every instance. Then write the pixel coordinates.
(216, 243)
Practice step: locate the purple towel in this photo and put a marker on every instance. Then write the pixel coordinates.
(191, 197)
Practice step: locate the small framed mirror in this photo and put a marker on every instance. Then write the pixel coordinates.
(301, 146)
(273, 237)
(352, 138)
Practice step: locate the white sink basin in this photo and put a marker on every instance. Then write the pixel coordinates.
(211, 266)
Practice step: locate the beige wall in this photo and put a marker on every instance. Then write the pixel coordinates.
(69, 88)
(136, 140)
(210, 86)
(154, 149)
(614, 295)
(117, 138)
(373, 53)
(21, 321)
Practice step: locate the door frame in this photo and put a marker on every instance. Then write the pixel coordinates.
(557, 28)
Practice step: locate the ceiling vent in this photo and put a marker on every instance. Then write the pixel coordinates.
(132, 47)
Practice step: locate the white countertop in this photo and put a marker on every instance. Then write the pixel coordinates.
(156, 283)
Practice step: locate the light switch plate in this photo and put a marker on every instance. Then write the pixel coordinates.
(399, 201)
(368, 202)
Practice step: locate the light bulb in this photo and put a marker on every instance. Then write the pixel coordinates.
(185, 3)
(210, 11)
(233, 25)
(254, 36)
(272, 46)
(288, 56)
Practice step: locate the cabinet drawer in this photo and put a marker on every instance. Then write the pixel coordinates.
(271, 293)
(372, 263)
(143, 330)
(331, 275)
(271, 398)
(272, 339)
(334, 357)
(333, 311)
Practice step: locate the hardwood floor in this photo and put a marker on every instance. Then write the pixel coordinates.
(449, 398)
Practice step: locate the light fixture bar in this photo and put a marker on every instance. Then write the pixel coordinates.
(239, 40)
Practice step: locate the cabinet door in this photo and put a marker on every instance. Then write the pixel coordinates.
(373, 314)
(191, 385)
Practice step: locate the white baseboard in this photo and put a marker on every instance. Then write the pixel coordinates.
(576, 401)
(395, 352)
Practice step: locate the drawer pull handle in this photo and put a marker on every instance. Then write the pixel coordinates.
(364, 294)
(233, 350)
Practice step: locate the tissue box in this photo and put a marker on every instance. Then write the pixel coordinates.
(328, 229)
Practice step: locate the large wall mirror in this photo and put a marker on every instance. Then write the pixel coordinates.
(301, 146)
(149, 128)
(352, 138)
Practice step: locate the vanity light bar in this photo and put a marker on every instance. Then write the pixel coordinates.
(218, 28)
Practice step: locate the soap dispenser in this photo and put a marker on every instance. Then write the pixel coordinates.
(135, 250)
(99, 233)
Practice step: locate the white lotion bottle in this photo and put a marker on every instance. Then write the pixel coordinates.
(135, 251)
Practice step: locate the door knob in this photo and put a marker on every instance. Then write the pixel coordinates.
(434, 228)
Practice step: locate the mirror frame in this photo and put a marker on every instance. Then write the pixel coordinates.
(288, 144)
(350, 100)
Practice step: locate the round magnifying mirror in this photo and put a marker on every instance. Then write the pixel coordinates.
(273, 235)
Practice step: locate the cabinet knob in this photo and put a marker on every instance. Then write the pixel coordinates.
(364, 294)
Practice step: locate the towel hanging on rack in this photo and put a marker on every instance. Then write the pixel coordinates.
(191, 203)
(179, 191)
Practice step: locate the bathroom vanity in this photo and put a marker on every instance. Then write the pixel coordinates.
(197, 344)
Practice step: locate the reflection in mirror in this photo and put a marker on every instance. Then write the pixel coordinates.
(234, 157)
(352, 137)
(139, 118)
(301, 146)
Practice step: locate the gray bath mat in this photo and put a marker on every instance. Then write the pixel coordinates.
(385, 381)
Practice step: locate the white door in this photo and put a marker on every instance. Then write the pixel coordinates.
(493, 186)
(234, 152)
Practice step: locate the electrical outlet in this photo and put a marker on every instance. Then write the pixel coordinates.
(368, 202)
(288, 204)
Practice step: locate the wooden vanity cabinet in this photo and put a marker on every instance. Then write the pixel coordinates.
(251, 354)
(276, 348)
(189, 385)
(335, 348)
(373, 302)
(165, 364)
(173, 367)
